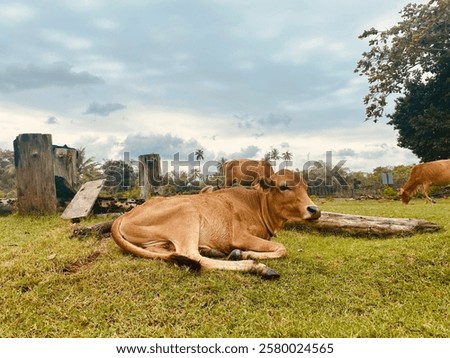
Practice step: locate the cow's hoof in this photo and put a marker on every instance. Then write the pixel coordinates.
(270, 274)
(235, 255)
(265, 272)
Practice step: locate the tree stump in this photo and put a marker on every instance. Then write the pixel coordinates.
(149, 173)
(65, 161)
(33, 158)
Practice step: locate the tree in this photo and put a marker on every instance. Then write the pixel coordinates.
(120, 176)
(7, 173)
(422, 117)
(286, 156)
(220, 166)
(413, 51)
(199, 154)
(88, 169)
(195, 174)
(274, 154)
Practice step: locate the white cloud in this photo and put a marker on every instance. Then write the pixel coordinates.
(106, 24)
(16, 13)
(299, 50)
(85, 5)
(70, 42)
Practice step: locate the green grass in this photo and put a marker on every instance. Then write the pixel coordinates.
(330, 286)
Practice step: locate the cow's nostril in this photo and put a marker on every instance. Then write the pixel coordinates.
(314, 211)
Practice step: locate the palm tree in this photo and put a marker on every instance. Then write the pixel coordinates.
(275, 154)
(220, 165)
(88, 169)
(199, 156)
(195, 173)
(287, 157)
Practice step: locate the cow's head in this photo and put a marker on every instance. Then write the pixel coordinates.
(405, 196)
(288, 197)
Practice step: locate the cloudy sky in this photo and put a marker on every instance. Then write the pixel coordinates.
(233, 77)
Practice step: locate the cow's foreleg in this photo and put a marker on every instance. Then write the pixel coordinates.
(190, 255)
(426, 188)
(206, 263)
(255, 248)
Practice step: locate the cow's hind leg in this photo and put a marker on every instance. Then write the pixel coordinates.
(212, 253)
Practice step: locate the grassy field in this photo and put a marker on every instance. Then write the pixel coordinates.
(330, 286)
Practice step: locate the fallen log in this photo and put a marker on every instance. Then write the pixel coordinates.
(359, 225)
(101, 230)
(353, 225)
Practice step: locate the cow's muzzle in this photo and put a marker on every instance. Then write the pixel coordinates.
(314, 212)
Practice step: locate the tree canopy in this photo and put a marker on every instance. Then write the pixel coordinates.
(412, 51)
(422, 117)
(412, 59)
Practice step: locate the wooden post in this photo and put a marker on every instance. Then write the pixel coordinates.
(33, 158)
(149, 173)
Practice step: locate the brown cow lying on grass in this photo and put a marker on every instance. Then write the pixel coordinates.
(425, 174)
(226, 229)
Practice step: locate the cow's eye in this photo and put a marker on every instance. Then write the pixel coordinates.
(284, 187)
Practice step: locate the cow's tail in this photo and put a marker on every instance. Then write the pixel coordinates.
(124, 244)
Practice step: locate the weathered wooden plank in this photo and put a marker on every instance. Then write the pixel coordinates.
(359, 225)
(81, 205)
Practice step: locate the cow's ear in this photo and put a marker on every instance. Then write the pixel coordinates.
(266, 183)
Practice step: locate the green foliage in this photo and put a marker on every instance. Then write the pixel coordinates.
(331, 285)
(169, 189)
(412, 58)
(120, 176)
(409, 52)
(131, 193)
(422, 117)
(388, 192)
(7, 174)
(88, 169)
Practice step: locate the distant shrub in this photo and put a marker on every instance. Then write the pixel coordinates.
(388, 192)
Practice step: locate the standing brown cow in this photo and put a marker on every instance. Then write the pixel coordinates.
(245, 171)
(200, 231)
(425, 174)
